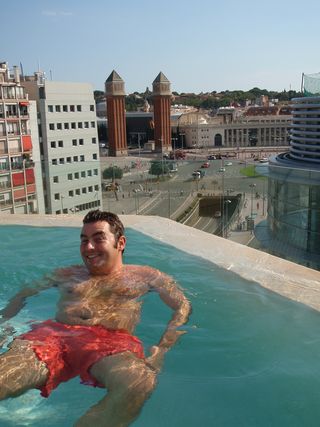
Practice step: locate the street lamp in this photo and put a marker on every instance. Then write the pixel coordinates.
(174, 147)
(252, 186)
(225, 228)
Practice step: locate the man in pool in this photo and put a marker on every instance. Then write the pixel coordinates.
(91, 335)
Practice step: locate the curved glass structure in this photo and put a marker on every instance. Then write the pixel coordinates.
(294, 188)
(305, 130)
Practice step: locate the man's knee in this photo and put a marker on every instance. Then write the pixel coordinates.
(125, 373)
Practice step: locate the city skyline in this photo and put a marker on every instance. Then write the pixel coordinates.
(200, 46)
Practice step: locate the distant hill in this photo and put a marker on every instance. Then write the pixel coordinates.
(208, 100)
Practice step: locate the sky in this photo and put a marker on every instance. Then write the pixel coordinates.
(200, 45)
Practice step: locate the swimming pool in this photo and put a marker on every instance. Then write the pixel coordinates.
(251, 357)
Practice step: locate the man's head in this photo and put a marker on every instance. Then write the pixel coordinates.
(102, 242)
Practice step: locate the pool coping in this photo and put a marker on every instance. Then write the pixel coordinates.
(284, 277)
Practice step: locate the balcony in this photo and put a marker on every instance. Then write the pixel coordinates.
(4, 186)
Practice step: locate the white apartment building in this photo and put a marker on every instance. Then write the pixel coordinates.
(68, 144)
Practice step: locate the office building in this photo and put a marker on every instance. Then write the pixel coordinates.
(68, 144)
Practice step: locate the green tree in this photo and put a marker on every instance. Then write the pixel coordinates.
(112, 172)
(158, 168)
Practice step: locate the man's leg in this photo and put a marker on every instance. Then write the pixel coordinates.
(129, 382)
(20, 370)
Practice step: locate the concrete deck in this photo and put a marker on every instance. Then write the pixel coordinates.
(288, 279)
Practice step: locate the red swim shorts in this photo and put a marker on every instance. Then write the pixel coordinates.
(70, 350)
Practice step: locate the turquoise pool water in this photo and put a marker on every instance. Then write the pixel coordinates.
(250, 358)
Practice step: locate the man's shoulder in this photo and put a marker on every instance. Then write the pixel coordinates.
(146, 272)
(137, 268)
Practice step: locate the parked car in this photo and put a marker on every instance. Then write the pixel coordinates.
(198, 173)
(228, 164)
(212, 157)
(205, 165)
(222, 169)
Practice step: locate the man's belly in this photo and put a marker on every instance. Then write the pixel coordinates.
(83, 316)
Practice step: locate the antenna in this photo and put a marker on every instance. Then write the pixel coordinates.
(302, 77)
(51, 75)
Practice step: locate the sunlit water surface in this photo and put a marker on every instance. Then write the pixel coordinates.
(250, 357)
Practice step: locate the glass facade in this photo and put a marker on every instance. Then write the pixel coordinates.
(294, 213)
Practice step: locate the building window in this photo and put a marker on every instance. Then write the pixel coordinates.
(58, 109)
(94, 140)
(54, 161)
(90, 189)
(74, 142)
(65, 108)
(57, 196)
(78, 191)
(96, 187)
(60, 144)
(83, 174)
(93, 124)
(79, 125)
(66, 125)
(82, 158)
(78, 107)
(50, 108)
(75, 158)
(76, 175)
(86, 125)
(95, 156)
(95, 171)
(73, 125)
(68, 159)
(61, 160)
(53, 144)
(80, 141)
(89, 172)
(51, 126)
(84, 190)
(59, 126)
(55, 179)
(91, 107)
(72, 108)
(69, 176)
(71, 193)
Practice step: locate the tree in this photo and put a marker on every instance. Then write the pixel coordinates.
(112, 172)
(158, 168)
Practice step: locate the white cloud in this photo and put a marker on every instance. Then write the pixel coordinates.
(49, 13)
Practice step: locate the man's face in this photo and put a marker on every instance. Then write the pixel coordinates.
(99, 250)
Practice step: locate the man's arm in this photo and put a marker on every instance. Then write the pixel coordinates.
(171, 295)
(18, 301)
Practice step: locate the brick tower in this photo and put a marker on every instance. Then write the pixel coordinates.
(161, 112)
(116, 115)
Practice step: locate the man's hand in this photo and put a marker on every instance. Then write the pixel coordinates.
(6, 331)
(157, 352)
(155, 360)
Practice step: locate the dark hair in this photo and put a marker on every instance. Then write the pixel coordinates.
(116, 226)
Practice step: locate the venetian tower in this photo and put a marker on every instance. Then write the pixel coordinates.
(115, 95)
(161, 112)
